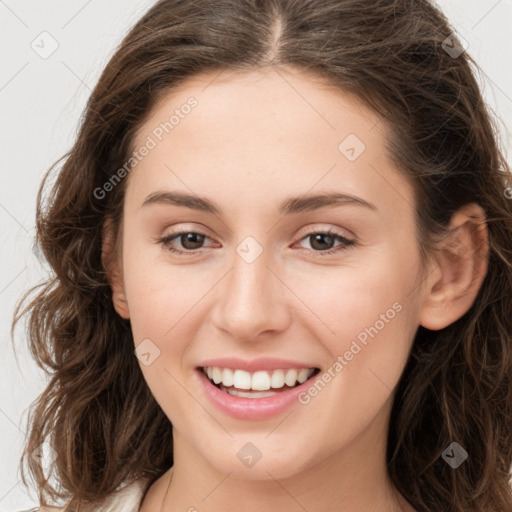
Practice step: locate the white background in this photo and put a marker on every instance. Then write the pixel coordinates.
(41, 102)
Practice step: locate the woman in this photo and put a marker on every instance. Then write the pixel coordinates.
(294, 214)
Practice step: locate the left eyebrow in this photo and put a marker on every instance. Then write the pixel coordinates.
(317, 201)
(288, 206)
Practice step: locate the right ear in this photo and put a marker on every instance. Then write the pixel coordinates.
(112, 263)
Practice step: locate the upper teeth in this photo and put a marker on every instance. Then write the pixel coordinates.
(258, 381)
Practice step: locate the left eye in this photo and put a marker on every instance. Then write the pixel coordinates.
(318, 240)
(192, 241)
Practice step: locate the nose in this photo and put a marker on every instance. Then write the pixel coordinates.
(252, 300)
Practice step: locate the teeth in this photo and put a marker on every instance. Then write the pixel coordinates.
(227, 377)
(290, 378)
(248, 394)
(217, 375)
(242, 380)
(277, 379)
(303, 375)
(258, 381)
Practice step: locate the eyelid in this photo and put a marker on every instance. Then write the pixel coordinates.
(318, 228)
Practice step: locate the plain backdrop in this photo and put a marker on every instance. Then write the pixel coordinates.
(42, 97)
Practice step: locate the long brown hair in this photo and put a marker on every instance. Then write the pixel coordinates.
(398, 57)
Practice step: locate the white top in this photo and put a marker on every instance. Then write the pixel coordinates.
(127, 498)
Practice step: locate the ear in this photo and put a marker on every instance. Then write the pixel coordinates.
(458, 271)
(112, 263)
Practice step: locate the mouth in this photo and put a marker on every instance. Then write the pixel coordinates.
(259, 384)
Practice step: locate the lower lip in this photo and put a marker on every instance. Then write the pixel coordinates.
(251, 408)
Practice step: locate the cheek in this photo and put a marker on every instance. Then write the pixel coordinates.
(373, 331)
(159, 293)
(163, 303)
(367, 323)
(347, 303)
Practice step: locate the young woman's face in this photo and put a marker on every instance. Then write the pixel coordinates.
(275, 276)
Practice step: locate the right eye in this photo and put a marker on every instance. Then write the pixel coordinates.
(189, 240)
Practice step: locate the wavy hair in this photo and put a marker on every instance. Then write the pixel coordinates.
(397, 57)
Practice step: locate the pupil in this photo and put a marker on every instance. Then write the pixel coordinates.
(319, 237)
(192, 238)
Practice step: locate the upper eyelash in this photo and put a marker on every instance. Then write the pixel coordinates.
(346, 242)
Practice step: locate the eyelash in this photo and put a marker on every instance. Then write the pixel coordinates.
(345, 242)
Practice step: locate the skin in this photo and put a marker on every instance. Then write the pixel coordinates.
(254, 139)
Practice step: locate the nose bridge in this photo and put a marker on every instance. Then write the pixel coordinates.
(250, 300)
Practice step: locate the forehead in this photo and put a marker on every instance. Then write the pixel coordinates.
(260, 134)
(268, 100)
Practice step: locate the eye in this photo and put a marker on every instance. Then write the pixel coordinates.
(189, 240)
(322, 242)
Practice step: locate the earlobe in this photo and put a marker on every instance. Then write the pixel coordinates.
(112, 264)
(459, 270)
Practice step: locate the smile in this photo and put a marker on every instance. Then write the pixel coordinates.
(257, 384)
(256, 390)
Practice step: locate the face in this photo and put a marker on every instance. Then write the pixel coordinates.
(298, 259)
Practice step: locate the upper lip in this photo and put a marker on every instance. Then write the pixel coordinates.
(253, 365)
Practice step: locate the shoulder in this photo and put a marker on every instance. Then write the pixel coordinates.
(44, 509)
(126, 499)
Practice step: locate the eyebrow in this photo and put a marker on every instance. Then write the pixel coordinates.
(288, 206)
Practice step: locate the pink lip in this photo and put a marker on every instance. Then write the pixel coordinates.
(263, 363)
(251, 408)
